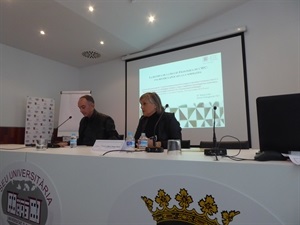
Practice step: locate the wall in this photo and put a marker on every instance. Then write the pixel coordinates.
(272, 45)
(23, 74)
(272, 51)
(107, 83)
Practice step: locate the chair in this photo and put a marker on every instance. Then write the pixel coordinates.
(226, 144)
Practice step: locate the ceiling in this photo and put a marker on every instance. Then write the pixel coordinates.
(122, 24)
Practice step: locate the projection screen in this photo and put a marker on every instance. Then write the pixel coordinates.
(193, 80)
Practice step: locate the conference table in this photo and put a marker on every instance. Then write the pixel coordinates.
(81, 186)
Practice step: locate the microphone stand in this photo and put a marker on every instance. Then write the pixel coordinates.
(154, 148)
(51, 144)
(214, 135)
(215, 150)
(154, 138)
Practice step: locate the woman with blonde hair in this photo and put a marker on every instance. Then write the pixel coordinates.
(156, 122)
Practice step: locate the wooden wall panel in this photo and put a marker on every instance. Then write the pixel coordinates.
(12, 135)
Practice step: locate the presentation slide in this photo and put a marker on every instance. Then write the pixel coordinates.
(193, 80)
(192, 87)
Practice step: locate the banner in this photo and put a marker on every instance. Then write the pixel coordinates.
(39, 119)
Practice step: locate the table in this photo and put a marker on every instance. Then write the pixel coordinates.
(81, 186)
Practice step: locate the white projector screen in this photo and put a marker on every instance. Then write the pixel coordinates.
(193, 80)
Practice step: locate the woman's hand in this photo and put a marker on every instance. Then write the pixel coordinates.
(151, 143)
(62, 144)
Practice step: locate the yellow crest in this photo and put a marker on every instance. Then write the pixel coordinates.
(172, 214)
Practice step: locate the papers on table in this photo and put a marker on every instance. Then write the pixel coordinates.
(294, 157)
(109, 145)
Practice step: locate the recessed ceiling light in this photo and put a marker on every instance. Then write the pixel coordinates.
(101, 42)
(42, 32)
(91, 8)
(151, 18)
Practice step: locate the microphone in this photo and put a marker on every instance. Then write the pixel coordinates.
(51, 144)
(154, 148)
(215, 151)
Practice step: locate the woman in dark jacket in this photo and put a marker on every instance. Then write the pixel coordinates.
(156, 122)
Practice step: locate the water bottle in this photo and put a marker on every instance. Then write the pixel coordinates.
(73, 141)
(143, 142)
(130, 142)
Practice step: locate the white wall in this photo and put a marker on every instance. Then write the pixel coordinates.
(23, 74)
(272, 52)
(107, 83)
(272, 47)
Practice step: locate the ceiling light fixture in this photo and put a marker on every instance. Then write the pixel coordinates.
(91, 8)
(42, 32)
(101, 42)
(151, 19)
(91, 54)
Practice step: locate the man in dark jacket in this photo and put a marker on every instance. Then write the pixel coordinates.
(94, 125)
